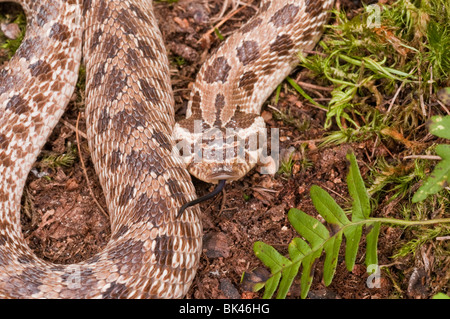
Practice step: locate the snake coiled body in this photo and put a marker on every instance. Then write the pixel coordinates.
(130, 120)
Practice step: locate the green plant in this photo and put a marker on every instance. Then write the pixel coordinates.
(440, 177)
(317, 238)
(54, 160)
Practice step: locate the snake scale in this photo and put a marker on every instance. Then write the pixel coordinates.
(130, 129)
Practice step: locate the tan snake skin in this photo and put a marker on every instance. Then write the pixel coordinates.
(130, 118)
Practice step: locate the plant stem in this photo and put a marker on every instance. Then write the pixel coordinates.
(403, 222)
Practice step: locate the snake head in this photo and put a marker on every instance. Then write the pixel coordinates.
(221, 153)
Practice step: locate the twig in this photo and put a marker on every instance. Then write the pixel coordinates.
(228, 17)
(427, 157)
(397, 93)
(73, 128)
(444, 107)
(84, 168)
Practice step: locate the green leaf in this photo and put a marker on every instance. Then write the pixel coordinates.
(271, 285)
(439, 178)
(327, 207)
(307, 272)
(440, 295)
(288, 276)
(372, 244)
(299, 248)
(332, 253)
(275, 261)
(352, 237)
(309, 227)
(358, 191)
(440, 126)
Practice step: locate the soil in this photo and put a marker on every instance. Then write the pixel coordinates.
(63, 223)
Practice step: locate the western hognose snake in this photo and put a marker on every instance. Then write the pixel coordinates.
(130, 118)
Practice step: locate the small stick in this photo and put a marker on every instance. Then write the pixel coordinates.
(427, 157)
(228, 17)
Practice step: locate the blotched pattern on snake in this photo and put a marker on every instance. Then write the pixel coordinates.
(130, 118)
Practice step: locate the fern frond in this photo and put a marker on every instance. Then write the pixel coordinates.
(316, 238)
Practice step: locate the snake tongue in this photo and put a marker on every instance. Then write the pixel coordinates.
(216, 191)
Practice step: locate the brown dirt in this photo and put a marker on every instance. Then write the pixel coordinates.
(63, 224)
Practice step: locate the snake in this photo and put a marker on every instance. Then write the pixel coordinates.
(143, 158)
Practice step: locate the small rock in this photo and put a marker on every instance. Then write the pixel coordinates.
(11, 30)
(323, 294)
(216, 245)
(198, 12)
(184, 51)
(228, 289)
(72, 184)
(417, 287)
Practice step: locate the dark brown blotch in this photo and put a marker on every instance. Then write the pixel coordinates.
(217, 71)
(139, 13)
(103, 11)
(4, 142)
(140, 163)
(149, 91)
(308, 35)
(176, 191)
(126, 21)
(17, 104)
(251, 25)
(99, 74)
(40, 69)
(96, 39)
(313, 7)
(103, 121)
(125, 121)
(47, 12)
(31, 277)
(111, 46)
(196, 101)
(248, 80)
(285, 15)
(30, 47)
(164, 250)
(126, 195)
(87, 4)
(59, 32)
(219, 104)
(24, 259)
(282, 45)
(120, 232)
(114, 160)
(162, 140)
(248, 52)
(3, 240)
(146, 49)
(241, 120)
(115, 291)
(115, 83)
